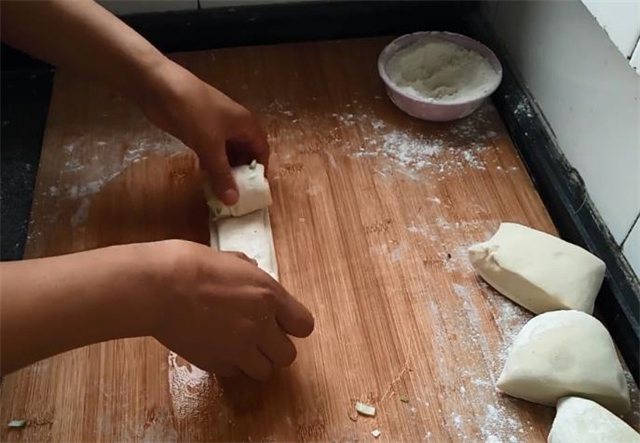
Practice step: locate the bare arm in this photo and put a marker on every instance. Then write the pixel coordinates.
(217, 310)
(52, 305)
(83, 36)
(186, 295)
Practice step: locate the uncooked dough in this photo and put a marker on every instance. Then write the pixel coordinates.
(561, 354)
(250, 234)
(537, 270)
(246, 226)
(579, 420)
(253, 193)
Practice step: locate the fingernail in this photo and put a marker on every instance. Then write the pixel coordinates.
(230, 196)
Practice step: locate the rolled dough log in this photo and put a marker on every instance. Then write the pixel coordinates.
(579, 420)
(253, 192)
(537, 270)
(246, 226)
(561, 354)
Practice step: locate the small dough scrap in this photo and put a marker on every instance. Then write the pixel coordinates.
(579, 420)
(561, 354)
(250, 234)
(539, 271)
(253, 189)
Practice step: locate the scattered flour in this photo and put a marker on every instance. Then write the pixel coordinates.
(481, 382)
(346, 118)
(499, 426)
(457, 421)
(82, 213)
(510, 319)
(441, 71)
(396, 254)
(458, 147)
(524, 108)
(189, 386)
(378, 124)
(90, 175)
(410, 151)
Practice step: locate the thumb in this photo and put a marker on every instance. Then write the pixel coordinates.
(216, 167)
(292, 316)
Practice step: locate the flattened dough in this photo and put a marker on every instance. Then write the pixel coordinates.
(579, 420)
(246, 226)
(538, 271)
(250, 234)
(561, 354)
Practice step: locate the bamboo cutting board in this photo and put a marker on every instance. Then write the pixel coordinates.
(372, 215)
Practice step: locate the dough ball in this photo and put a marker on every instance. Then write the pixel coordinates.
(561, 354)
(579, 420)
(538, 271)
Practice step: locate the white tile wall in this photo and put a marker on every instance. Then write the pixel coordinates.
(632, 248)
(589, 94)
(635, 59)
(620, 19)
(123, 7)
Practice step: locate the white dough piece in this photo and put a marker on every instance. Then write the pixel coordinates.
(250, 234)
(561, 354)
(579, 420)
(253, 189)
(538, 271)
(246, 226)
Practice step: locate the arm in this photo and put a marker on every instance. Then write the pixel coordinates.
(83, 36)
(52, 305)
(186, 295)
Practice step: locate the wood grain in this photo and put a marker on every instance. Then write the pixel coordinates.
(374, 242)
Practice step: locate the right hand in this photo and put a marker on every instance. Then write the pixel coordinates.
(226, 316)
(219, 130)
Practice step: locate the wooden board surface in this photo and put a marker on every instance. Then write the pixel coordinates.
(372, 215)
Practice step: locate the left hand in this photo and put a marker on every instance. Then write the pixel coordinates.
(222, 132)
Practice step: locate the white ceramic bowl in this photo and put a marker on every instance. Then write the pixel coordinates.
(434, 110)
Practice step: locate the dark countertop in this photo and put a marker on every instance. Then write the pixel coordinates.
(25, 102)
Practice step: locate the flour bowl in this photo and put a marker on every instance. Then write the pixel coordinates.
(437, 109)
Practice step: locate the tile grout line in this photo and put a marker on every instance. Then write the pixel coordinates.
(633, 225)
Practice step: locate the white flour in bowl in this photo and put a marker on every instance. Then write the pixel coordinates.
(441, 71)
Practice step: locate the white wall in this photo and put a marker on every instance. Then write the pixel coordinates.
(621, 21)
(588, 92)
(632, 247)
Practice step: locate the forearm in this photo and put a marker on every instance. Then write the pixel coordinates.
(52, 305)
(83, 36)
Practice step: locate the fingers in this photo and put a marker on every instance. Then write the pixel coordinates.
(256, 365)
(224, 370)
(293, 317)
(277, 347)
(216, 166)
(241, 256)
(249, 141)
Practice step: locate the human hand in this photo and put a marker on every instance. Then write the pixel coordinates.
(219, 130)
(226, 316)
